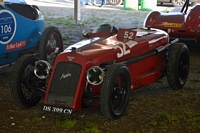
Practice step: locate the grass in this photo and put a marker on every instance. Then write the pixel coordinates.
(69, 21)
(177, 92)
(154, 103)
(129, 111)
(163, 114)
(66, 124)
(165, 120)
(194, 80)
(94, 19)
(37, 119)
(153, 123)
(91, 128)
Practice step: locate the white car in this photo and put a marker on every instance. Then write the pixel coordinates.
(174, 2)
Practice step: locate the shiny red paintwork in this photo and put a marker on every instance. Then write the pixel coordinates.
(95, 51)
(177, 24)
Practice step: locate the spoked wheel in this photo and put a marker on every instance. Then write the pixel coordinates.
(115, 2)
(24, 82)
(51, 44)
(178, 65)
(178, 2)
(115, 91)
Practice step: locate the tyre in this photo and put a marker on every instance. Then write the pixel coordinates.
(178, 65)
(178, 2)
(115, 2)
(24, 82)
(115, 91)
(50, 40)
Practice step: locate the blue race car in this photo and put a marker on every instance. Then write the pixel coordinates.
(22, 31)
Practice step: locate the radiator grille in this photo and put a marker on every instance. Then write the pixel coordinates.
(64, 84)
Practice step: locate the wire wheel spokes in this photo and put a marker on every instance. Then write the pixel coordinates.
(27, 82)
(52, 44)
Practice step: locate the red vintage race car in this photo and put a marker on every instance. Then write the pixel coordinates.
(101, 70)
(179, 23)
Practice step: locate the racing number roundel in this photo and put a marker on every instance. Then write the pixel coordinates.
(7, 26)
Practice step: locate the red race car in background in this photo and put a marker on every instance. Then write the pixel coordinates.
(101, 71)
(179, 23)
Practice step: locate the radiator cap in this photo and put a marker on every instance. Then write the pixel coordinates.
(73, 50)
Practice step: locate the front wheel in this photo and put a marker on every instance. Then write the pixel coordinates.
(51, 44)
(24, 82)
(178, 65)
(115, 91)
(115, 2)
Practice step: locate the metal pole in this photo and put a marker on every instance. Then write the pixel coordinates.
(77, 13)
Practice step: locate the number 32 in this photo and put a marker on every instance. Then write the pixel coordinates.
(123, 50)
(127, 35)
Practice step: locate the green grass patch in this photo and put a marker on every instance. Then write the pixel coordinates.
(194, 80)
(129, 111)
(153, 123)
(177, 92)
(163, 114)
(94, 19)
(92, 128)
(66, 124)
(37, 119)
(154, 103)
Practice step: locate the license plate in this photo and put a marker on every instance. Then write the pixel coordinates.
(56, 109)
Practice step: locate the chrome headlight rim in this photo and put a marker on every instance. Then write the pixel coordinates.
(47, 70)
(92, 69)
(86, 33)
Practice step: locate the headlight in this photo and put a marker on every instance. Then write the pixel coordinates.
(86, 33)
(42, 69)
(95, 75)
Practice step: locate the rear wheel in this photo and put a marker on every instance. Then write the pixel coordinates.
(24, 82)
(50, 42)
(178, 65)
(115, 91)
(115, 2)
